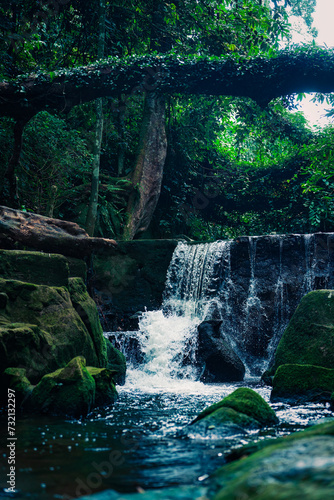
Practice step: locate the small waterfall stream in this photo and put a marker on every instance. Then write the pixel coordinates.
(253, 299)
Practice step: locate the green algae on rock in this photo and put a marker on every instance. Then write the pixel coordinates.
(309, 337)
(16, 379)
(67, 391)
(87, 310)
(247, 401)
(300, 465)
(241, 411)
(300, 383)
(105, 389)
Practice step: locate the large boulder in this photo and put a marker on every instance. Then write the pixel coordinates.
(309, 337)
(87, 310)
(35, 267)
(215, 357)
(298, 466)
(241, 411)
(300, 383)
(41, 330)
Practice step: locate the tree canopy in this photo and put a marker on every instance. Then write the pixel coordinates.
(197, 91)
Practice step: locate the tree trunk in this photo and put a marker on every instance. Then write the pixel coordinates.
(121, 136)
(94, 193)
(147, 176)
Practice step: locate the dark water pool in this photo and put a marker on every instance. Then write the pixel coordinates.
(132, 446)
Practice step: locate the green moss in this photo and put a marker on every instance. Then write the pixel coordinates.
(34, 267)
(291, 381)
(87, 310)
(51, 332)
(67, 391)
(117, 363)
(105, 389)
(309, 337)
(299, 465)
(16, 379)
(246, 401)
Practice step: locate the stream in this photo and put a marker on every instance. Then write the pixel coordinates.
(137, 444)
(134, 445)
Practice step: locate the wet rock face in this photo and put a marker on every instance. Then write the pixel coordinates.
(268, 277)
(217, 362)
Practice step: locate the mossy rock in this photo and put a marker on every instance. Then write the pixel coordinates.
(116, 363)
(300, 383)
(87, 310)
(34, 267)
(48, 332)
(105, 389)
(247, 402)
(309, 337)
(27, 346)
(221, 423)
(68, 391)
(297, 466)
(16, 379)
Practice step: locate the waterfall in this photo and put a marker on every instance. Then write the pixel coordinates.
(252, 285)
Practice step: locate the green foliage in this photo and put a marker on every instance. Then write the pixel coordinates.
(318, 180)
(54, 160)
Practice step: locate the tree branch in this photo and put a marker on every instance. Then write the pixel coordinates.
(262, 79)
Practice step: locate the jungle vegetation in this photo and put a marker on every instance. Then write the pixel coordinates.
(154, 119)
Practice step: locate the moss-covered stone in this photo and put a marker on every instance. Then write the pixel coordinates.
(77, 268)
(247, 402)
(298, 383)
(116, 363)
(298, 466)
(105, 389)
(309, 337)
(220, 423)
(67, 391)
(50, 331)
(87, 310)
(16, 379)
(34, 267)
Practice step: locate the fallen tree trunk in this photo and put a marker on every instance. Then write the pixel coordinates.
(46, 234)
(262, 79)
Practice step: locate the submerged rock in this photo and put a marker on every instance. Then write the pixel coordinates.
(215, 357)
(298, 466)
(239, 412)
(300, 383)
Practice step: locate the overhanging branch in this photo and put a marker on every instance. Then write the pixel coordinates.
(260, 79)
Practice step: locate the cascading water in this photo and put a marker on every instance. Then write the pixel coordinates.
(235, 282)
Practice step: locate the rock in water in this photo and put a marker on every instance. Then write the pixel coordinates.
(300, 383)
(309, 337)
(215, 357)
(241, 411)
(67, 391)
